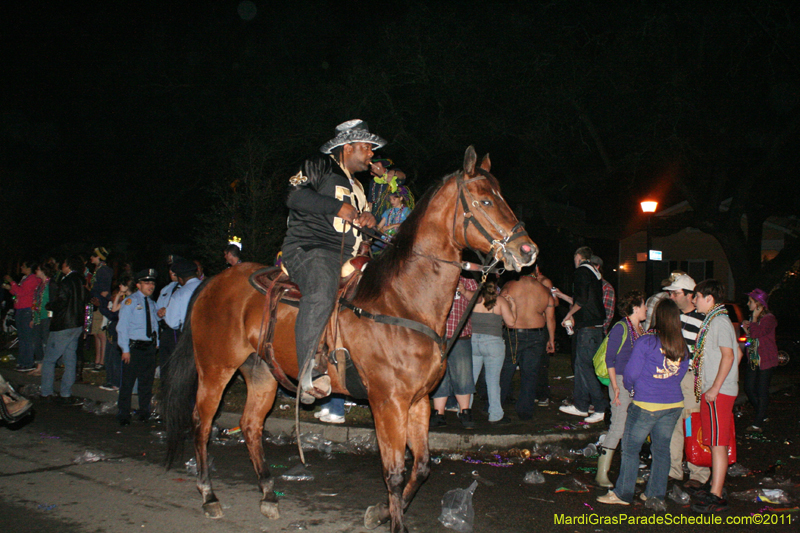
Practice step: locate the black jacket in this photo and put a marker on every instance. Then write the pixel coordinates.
(68, 303)
(588, 293)
(316, 194)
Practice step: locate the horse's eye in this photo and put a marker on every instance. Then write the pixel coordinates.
(487, 203)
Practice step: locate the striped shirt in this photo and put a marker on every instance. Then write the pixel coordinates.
(690, 326)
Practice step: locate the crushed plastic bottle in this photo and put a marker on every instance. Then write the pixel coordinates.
(534, 477)
(457, 511)
(737, 470)
(679, 496)
(88, 457)
(298, 473)
(656, 504)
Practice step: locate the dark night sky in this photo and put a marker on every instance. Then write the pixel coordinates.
(116, 117)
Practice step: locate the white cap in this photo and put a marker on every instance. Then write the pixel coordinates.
(683, 282)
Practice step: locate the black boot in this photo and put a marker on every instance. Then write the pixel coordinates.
(466, 419)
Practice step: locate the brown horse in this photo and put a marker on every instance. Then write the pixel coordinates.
(415, 280)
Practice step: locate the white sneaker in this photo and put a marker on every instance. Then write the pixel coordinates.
(611, 498)
(332, 419)
(572, 410)
(595, 418)
(321, 413)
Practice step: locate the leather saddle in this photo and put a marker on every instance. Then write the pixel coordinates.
(275, 284)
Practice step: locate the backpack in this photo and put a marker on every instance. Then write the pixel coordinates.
(599, 359)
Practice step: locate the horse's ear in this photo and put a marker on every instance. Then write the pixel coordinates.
(486, 163)
(469, 161)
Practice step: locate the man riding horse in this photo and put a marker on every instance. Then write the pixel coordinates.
(325, 203)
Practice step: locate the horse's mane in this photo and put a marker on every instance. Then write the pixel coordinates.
(382, 271)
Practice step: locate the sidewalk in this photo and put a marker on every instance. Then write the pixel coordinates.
(548, 426)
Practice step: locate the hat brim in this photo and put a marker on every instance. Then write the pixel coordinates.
(353, 136)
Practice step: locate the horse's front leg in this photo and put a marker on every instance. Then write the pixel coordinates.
(390, 427)
(261, 390)
(418, 420)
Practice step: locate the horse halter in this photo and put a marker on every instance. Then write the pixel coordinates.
(467, 199)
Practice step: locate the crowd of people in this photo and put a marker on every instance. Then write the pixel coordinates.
(60, 303)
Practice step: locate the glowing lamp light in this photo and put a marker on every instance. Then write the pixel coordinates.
(649, 206)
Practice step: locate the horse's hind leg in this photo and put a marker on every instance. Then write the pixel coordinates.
(261, 389)
(390, 426)
(209, 394)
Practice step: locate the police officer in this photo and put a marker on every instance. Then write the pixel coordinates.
(168, 337)
(138, 340)
(186, 271)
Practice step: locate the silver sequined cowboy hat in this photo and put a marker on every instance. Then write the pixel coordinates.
(352, 131)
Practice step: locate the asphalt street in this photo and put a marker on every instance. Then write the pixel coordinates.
(45, 486)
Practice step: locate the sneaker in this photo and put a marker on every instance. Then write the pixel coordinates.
(595, 418)
(543, 403)
(502, 422)
(572, 410)
(331, 418)
(754, 429)
(591, 409)
(712, 504)
(322, 412)
(612, 499)
(437, 420)
(70, 400)
(96, 368)
(466, 419)
(108, 386)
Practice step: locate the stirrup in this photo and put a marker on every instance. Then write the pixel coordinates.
(320, 388)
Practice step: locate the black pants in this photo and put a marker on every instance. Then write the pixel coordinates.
(756, 386)
(167, 340)
(142, 366)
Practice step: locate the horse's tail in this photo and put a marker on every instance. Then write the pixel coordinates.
(179, 389)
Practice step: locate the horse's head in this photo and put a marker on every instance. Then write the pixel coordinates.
(483, 221)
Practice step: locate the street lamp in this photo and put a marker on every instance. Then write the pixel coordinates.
(648, 208)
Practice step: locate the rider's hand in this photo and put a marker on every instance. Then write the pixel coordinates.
(365, 220)
(347, 213)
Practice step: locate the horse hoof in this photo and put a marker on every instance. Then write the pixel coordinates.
(213, 510)
(270, 510)
(376, 515)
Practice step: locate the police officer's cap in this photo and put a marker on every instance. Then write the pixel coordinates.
(147, 274)
(183, 267)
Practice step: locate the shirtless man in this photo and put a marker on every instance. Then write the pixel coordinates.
(527, 343)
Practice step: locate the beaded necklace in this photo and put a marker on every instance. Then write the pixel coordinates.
(699, 348)
(636, 332)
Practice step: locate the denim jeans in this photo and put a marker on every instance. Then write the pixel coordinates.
(334, 404)
(587, 390)
(756, 386)
(458, 375)
(488, 351)
(23, 317)
(60, 343)
(639, 424)
(317, 273)
(528, 347)
(41, 332)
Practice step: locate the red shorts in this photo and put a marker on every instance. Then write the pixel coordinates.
(717, 420)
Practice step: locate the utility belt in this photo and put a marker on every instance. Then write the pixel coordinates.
(142, 345)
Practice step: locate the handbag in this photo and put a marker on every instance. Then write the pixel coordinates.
(599, 359)
(696, 452)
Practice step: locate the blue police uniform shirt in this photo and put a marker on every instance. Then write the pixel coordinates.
(132, 324)
(166, 295)
(176, 311)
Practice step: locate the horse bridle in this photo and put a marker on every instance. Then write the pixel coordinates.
(469, 218)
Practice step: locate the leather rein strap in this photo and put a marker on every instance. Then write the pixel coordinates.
(394, 321)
